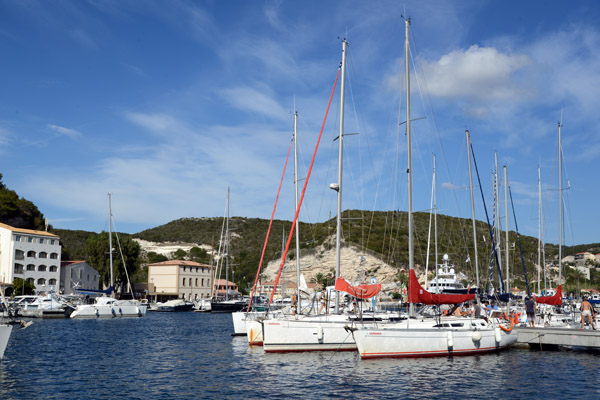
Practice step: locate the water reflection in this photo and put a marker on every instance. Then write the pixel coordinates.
(190, 355)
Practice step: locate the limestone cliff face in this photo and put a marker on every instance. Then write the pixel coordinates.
(354, 266)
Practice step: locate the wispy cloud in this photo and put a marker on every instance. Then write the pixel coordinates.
(62, 131)
(451, 186)
(252, 100)
(83, 38)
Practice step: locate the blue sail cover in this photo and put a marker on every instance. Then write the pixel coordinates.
(92, 291)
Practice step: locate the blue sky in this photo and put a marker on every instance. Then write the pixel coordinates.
(165, 104)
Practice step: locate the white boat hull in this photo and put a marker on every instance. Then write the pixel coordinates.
(116, 310)
(403, 342)
(5, 331)
(318, 334)
(254, 332)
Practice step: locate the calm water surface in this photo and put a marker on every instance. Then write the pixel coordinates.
(194, 356)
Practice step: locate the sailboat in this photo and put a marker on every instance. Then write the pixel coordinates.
(227, 304)
(327, 332)
(107, 306)
(428, 337)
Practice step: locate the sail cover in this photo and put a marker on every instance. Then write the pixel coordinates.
(416, 294)
(555, 300)
(361, 291)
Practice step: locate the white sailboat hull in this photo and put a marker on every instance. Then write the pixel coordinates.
(307, 334)
(117, 309)
(254, 332)
(5, 331)
(423, 341)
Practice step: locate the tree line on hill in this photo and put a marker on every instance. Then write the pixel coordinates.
(381, 233)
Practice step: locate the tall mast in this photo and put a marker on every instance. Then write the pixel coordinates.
(539, 230)
(435, 216)
(227, 248)
(110, 248)
(473, 208)
(299, 308)
(338, 187)
(411, 261)
(506, 227)
(497, 215)
(559, 206)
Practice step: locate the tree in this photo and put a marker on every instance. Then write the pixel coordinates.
(179, 254)
(18, 287)
(155, 257)
(96, 248)
(199, 255)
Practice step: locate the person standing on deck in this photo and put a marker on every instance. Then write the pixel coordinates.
(530, 309)
(587, 311)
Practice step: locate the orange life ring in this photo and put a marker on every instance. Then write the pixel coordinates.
(511, 318)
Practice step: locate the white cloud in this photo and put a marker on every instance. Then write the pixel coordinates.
(252, 100)
(451, 186)
(480, 73)
(62, 131)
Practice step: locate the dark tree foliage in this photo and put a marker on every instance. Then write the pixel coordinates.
(18, 287)
(97, 255)
(17, 211)
(155, 257)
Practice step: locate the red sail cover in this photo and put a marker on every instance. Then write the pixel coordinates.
(362, 291)
(416, 294)
(555, 300)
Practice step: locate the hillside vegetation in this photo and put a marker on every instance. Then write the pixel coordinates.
(383, 234)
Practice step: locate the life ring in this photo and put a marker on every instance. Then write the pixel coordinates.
(511, 318)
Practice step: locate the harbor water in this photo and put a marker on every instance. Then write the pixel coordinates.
(193, 356)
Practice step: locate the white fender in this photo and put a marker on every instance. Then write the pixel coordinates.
(476, 336)
(320, 332)
(497, 335)
(450, 339)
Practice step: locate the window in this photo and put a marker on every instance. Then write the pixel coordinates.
(42, 268)
(31, 254)
(202, 282)
(183, 282)
(80, 273)
(18, 268)
(51, 241)
(19, 255)
(52, 281)
(196, 271)
(41, 241)
(88, 277)
(54, 256)
(17, 238)
(53, 268)
(190, 282)
(30, 267)
(196, 282)
(30, 239)
(41, 281)
(43, 254)
(71, 274)
(30, 280)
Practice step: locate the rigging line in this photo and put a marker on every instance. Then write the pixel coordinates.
(495, 254)
(262, 255)
(439, 139)
(304, 188)
(519, 240)
(368, 144)
(123, 259)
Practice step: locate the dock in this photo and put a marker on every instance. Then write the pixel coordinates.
(550, 337)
